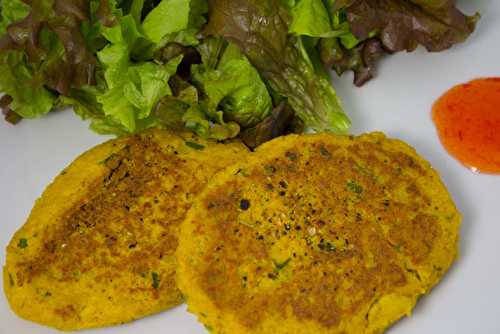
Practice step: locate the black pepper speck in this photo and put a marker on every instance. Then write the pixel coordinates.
(244, 204)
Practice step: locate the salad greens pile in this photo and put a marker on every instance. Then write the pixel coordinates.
(373, 28)
(220, 68)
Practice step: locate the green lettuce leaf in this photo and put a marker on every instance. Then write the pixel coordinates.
(84, 102)
(168, 17)
(232, 94)
(234, 85)
(135, 8)
(133, 89)
(185, 110)
(310, 18)
(315, 18)
(175, 21)
(196, 120)
(282, 60)
(189, 36)
(12, 11)
(342, 28)
(29, 98)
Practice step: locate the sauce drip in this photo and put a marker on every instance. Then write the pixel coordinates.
(467, 118)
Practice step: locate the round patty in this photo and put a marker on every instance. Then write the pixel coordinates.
(98, 248)
(317, 234)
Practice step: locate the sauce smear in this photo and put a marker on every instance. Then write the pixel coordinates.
(467, 118)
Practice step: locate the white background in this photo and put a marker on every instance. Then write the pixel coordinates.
(397, 102)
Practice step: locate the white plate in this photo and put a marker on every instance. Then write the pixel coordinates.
(398, 102)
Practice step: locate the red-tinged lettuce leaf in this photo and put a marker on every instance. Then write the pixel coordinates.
(29, 99)
(190, 56)
(388, 26)
(360, 59)
(403, 25)
(260, 29)
(279, 122)
(76, 65)
(9, 115)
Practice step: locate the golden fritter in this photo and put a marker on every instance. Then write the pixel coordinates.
(317, 234)
(98, 248)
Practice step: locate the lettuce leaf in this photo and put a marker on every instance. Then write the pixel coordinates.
(62, 19)
(403, 25)
(225, 93)
(280, 121)
(93, 55)
(361, 59)
(282, 60)
(29, 99)
(314, 18)
(175, 21)
(377, 27)
(187, 110)
(84, 102)
(310, 18)
(168, 17)
(234, 85)
(50, 53)
(12, 11)
(133, 89)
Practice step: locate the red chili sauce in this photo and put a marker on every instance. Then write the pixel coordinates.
(467, 118)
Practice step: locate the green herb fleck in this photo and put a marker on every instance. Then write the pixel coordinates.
(156, 280)
(354, 187)
(280, 266)
(242, 172)
(194, 145)
(398, 248)
(291, 155)
(47, 294)
(23, 243)
(327, 246)
(11, 280)
(324, 152)
(269, 169)
(208, 328)
(108, 158)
